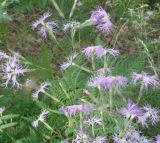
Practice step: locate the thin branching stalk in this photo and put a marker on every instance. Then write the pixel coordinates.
(81, 120)
(52, 97)
(73, 8)
(57, 8)
(93, 134)
(82, 68)
(110, 99)
(65, 92)
(93, 62)
(140, 93)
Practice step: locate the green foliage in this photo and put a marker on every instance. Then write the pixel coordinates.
(29, 5)
(68, 86)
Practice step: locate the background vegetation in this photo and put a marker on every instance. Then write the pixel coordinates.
(137, 37)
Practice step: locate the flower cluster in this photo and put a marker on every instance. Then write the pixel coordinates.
(72, 110)
(99, 51)
(44, 25)
(131, 136)
(143, 114)
(83, 137)
(107, 82)
(149, 113)
(145, 79)
(11, 69)
(41, 118)
(101, 19)
(131, 110)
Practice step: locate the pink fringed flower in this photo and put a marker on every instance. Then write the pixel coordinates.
(113, 52)
(43, 86)
(131, 110)
(72, 110)
(101, 19)
(100, 139)
(145, 79)
(113, 82)
(41, 118)
(99, 51)
(158, 139)
(93, 121)
(2, 109)
(3, 55)
(71, 25)
(98, 15)
(43, 25)
(69, 61)
(149, 113)
(107, 82)
(11, 70)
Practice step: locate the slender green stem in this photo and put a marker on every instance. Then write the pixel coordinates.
(105, 62)
(52, 97)
(81, 125)
(73, 31)
(117, 35)
(101, 112)
(65, 92)
(73, 8)
(110, 99)
(93, 134)
(140, 93)
(48, 126)
(57, 8)
(82, 68)
(93, 63)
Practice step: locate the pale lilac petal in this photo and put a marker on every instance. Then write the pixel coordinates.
(99, 51)
(72, 110)
(131, 110)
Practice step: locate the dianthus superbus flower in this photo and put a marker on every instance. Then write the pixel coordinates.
(41, 118)
(113, 52)
(107, 82)
(104, 26)
(103, 71)
(145, 79)
(100, 139)
(101, 19)
(98, 15)
(2, 109)
(43, 25)
(72, 110)
(40, 20)
(3, 55)
(69, 61)
(95, 80)
(82, 137)
(98, 50)
(93, 121)
(158, 139)
(131, 136)
(71, 25)
(11, 70)
(43, 86)
(131, 110)
(113, 82)
(149, 113)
